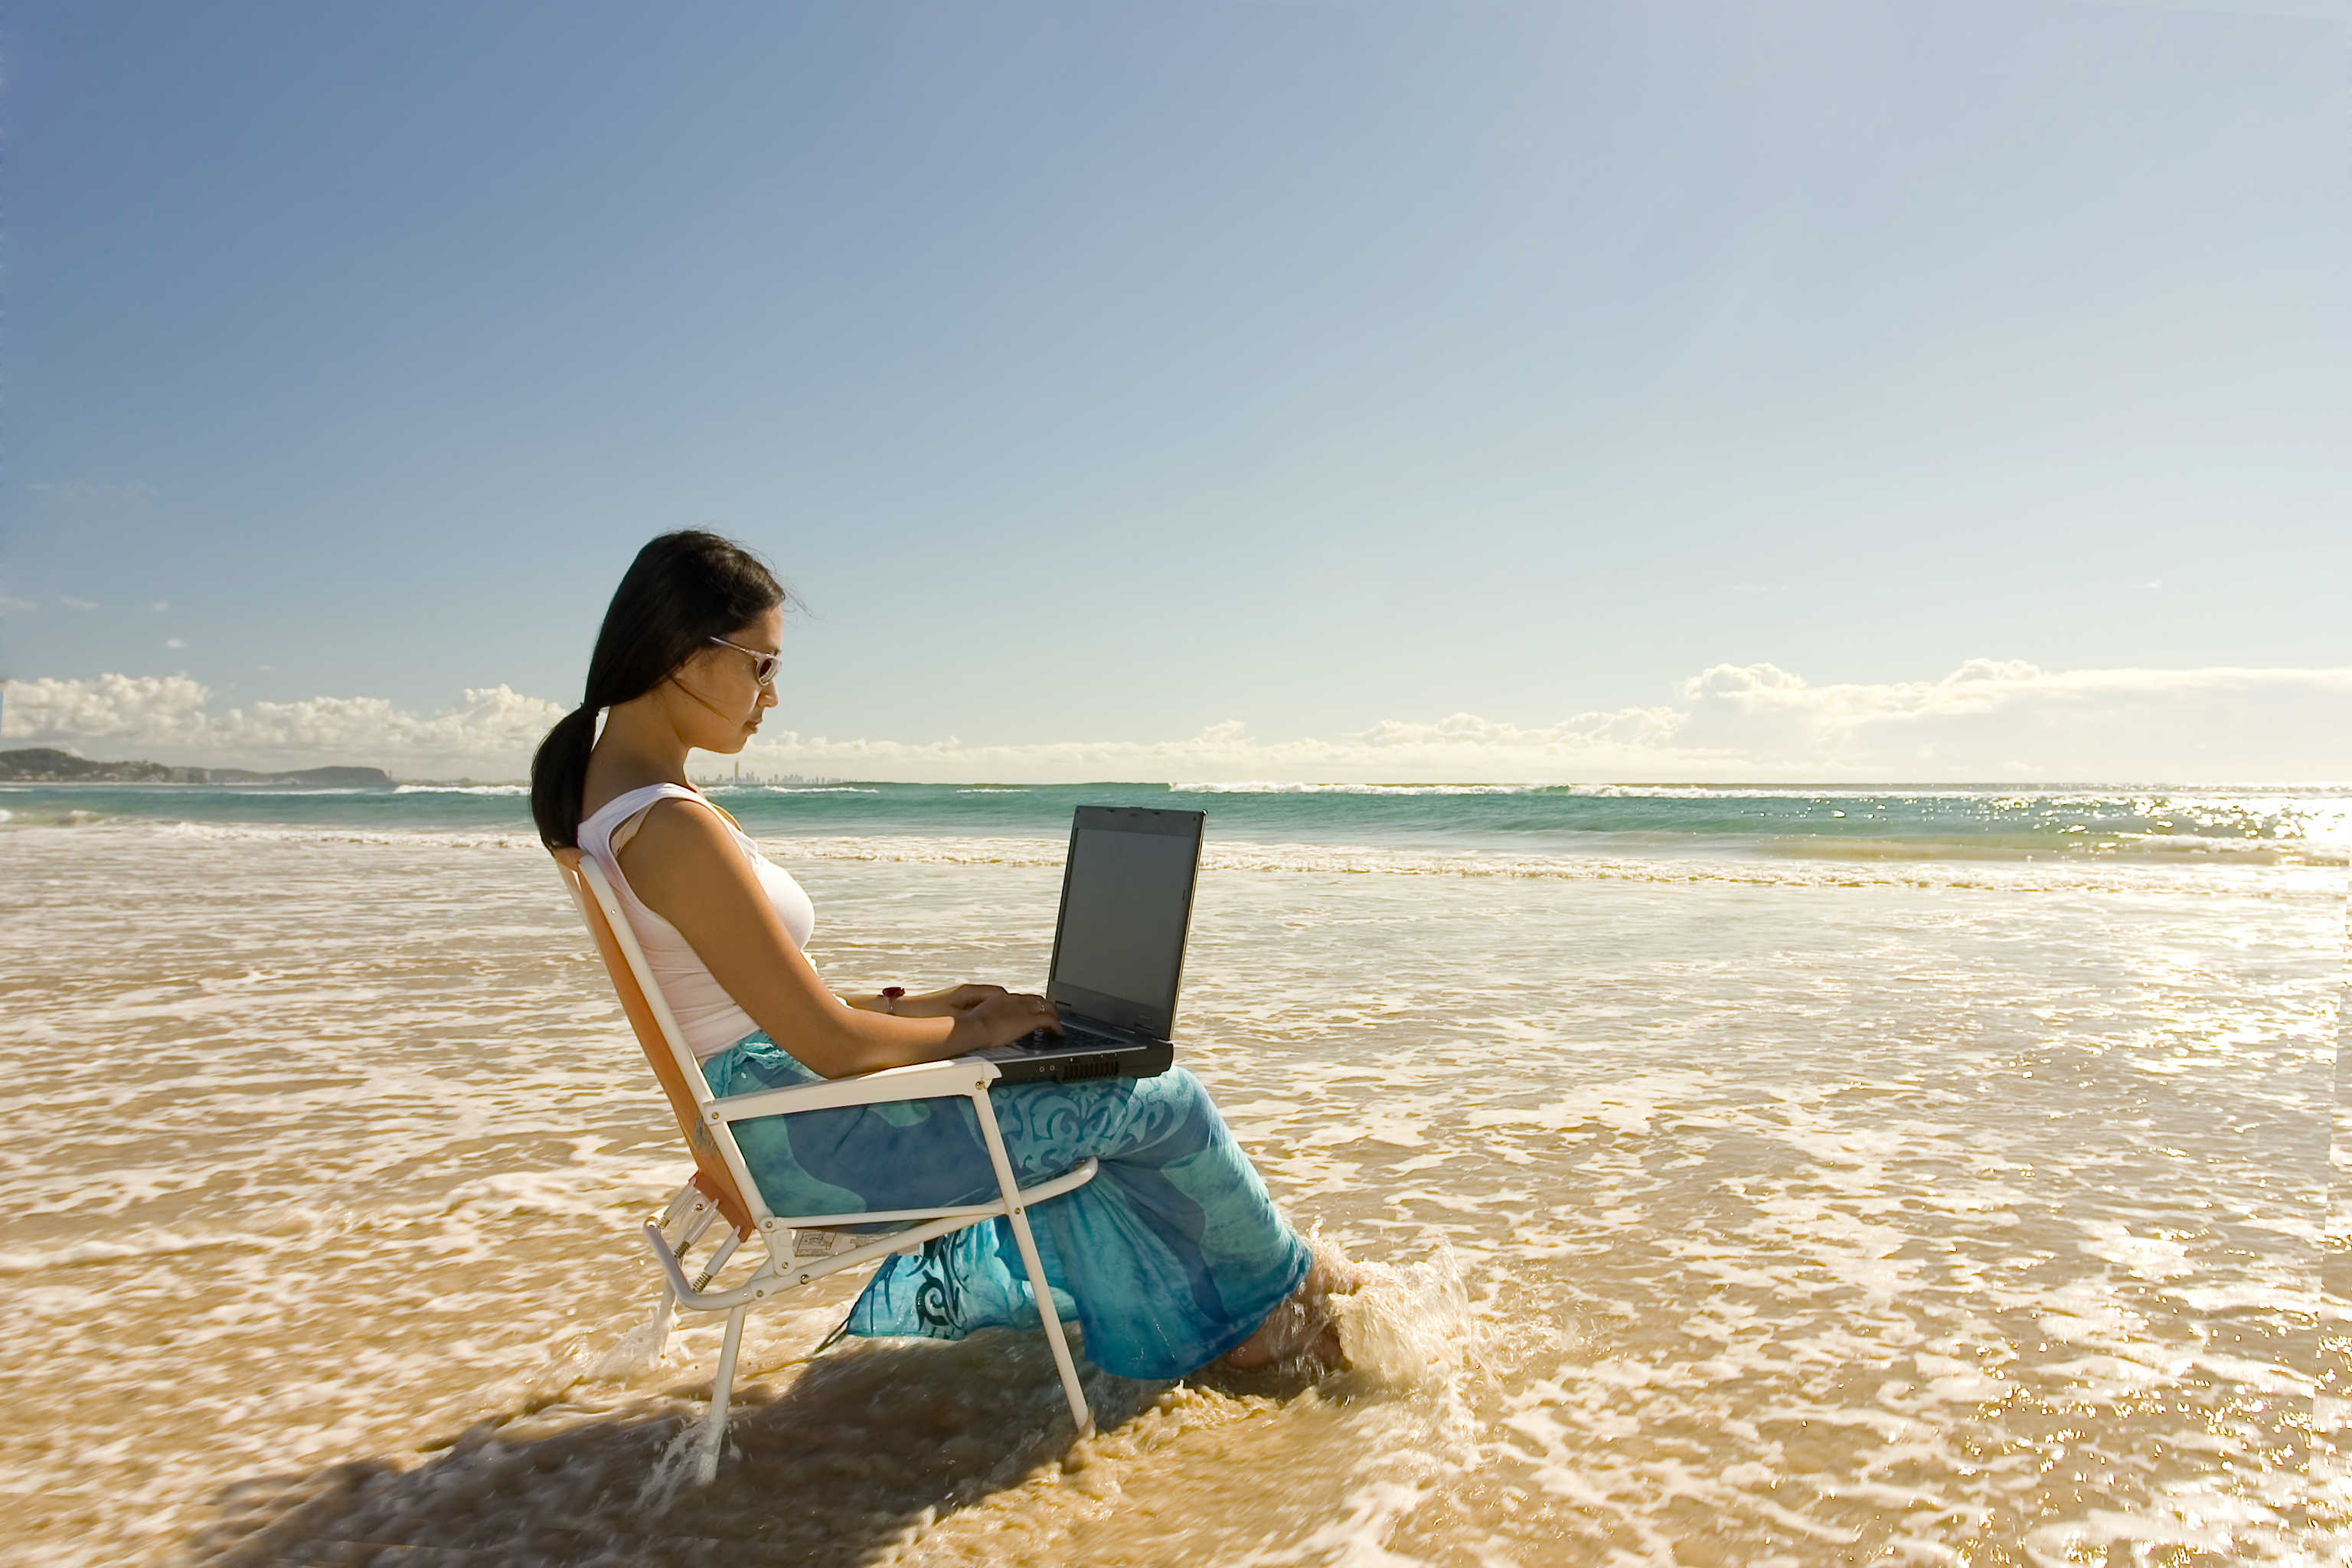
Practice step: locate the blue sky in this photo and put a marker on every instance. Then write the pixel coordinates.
(1113, 371)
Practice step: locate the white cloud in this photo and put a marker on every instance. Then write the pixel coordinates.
(1461, 747)
(12, 605)
(175, 642)
(71, 602)
(1993, 719)
(1990, 719)
(169, 717)
(165, 710)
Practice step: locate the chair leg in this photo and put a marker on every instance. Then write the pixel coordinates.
(722, 1384)
(688, 1202)
(1018, 1214)
(1052, 1320)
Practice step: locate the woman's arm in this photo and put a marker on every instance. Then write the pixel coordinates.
(927, 1003)
(686, 867)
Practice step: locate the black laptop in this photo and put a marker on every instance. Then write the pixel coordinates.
(1118, 947)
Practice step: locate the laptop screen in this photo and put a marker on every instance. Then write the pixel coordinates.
(1127, 898)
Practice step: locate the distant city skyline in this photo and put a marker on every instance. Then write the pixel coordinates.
(1831, 389)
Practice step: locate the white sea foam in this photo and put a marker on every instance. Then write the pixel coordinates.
(2257, 796)
(283, 792)
(2314, 876)
(1270, 787)
(797, 789)
(496, 789)
(1408, 1326)
(2288, 879)
(226, 832)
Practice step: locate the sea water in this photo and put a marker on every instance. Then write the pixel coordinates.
(2254, 825)
(1745, 1183)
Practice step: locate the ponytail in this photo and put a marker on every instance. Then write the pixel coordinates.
(682, 590)
(559, 772)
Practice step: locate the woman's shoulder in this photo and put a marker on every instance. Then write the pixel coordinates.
(674, 816)
(601, 794)
(678, 837)
(615, 816)
(683, 811)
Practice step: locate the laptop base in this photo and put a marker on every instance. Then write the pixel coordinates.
(1064, 1060)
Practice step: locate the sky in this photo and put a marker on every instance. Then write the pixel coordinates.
(1299, 388)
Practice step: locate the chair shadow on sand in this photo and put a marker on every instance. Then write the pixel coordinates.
(845, 1460)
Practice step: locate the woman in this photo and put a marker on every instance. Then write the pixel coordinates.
(1172, 1256)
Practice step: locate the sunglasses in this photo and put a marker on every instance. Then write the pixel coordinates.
(763, 665)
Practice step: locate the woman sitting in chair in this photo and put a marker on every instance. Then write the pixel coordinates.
(1172, 1256)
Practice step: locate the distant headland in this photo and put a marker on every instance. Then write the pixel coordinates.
(43, 764)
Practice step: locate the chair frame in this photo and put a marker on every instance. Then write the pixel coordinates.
(721, 1186)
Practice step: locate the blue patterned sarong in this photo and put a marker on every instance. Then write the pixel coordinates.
(1170, 1257)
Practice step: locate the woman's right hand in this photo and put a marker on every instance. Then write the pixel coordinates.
(1002, 1019)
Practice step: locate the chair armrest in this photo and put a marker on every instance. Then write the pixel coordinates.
(921, 1080)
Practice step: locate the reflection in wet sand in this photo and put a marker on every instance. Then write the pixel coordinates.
(846, 1460)
(853, 1456)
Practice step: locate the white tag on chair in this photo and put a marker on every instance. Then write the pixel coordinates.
(824, 1243)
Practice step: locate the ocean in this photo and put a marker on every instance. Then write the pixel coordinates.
(1759, 1175)
(2250, 824)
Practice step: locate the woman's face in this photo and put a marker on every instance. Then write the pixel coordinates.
(726, 703)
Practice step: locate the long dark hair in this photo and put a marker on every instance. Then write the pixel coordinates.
(682, 590)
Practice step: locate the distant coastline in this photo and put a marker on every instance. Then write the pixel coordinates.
(43, 764)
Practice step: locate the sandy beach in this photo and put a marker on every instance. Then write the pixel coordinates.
(1941, 1210)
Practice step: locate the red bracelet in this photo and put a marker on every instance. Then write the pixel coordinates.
(890, 994)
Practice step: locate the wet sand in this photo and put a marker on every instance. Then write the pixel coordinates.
(1967, 1217)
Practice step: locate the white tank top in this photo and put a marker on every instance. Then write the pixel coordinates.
(706, 1016)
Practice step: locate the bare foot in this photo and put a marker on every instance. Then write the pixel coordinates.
(1302, 1328)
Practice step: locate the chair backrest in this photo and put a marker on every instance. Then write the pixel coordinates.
(656, 1035)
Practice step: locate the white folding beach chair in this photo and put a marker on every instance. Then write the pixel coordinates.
(721, 1186)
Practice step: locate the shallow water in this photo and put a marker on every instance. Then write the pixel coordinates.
(1927, 1210)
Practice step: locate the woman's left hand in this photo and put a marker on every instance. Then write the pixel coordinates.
(964, 998)
(946, 1004)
